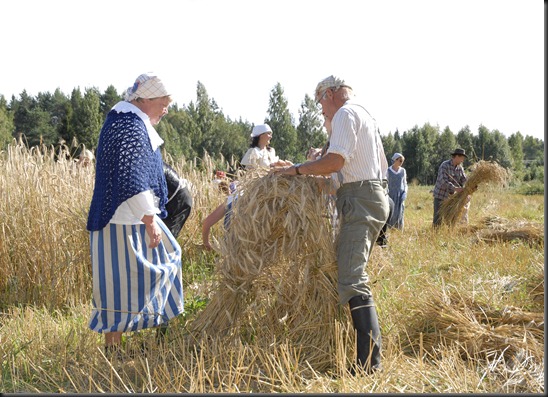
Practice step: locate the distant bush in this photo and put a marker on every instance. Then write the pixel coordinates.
(531, 188)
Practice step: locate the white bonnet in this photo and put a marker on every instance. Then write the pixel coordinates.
(147, 85)
(260, 129)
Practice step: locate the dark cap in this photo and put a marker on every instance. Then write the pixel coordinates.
(459, 151)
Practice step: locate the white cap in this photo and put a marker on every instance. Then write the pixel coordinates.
(260, 129)
(329, 82)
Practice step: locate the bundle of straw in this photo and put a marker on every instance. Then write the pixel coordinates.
(276, 275)
(452, 208)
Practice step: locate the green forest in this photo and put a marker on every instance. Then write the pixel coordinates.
(200, 127)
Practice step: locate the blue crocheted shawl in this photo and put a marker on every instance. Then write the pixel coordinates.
(125, 166)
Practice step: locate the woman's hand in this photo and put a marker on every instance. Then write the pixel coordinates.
(281, 163)
(153, 231)
(313, 153)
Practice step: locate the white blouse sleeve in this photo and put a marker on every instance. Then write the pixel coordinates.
(144, 203)
(250, 157)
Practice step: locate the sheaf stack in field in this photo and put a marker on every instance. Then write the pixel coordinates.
(482, 172)
(276, 276)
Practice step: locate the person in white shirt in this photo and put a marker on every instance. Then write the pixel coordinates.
(260, 153)
(356, 154)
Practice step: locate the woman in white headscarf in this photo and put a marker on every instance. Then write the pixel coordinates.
(260, 153)
(397, 190)
(136, 261)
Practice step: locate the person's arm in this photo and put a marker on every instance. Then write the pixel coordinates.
(211, 220)
(250, 158)
(384, 162)
(143, 207)
(463, 176)
(153, 230)
(405, 187)
(281, 163)
(452, 185)
(329, 163)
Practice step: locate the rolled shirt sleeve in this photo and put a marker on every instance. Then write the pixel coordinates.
(132, 210)
(144, 203)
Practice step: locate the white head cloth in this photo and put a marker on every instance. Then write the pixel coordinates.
(260, 129)
(148, 86)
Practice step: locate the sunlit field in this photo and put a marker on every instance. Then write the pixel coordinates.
(461, 309)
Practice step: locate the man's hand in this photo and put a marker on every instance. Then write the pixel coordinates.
(285, 170)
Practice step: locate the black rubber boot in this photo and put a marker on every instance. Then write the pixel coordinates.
(368, 338)
(382, 241)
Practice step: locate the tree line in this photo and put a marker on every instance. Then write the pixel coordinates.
(200, 127)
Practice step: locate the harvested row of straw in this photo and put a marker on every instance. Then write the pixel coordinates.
(478, 329)
(531, 235)
(498, 229)
(500, 223)
(277, 272)
(452, 208)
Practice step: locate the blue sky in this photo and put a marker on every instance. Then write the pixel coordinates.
(449, 63)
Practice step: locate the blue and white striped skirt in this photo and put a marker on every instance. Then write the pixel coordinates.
(134, 287)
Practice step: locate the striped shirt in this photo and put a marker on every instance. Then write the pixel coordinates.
(355, 137)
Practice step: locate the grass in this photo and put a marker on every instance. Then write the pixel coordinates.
(458, 314)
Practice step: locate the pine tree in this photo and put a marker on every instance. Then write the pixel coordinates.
(445, 144)
(465, 140)
(6, 124)
(515, 141)
(86, 119)
(108, 99)
(284, 134)
(310, 131)
(32, 123)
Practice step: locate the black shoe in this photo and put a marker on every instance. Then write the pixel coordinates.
(382, 242)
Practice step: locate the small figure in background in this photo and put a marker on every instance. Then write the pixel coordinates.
(397, 190)
(86, 158)
(260, 153)
(451, 179)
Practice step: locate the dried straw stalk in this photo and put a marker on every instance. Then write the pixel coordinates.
(478, 329)
(452, 208)
(502, 230)
(277, 272)
(535, 286)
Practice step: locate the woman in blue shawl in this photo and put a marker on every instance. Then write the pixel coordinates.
(136, 261)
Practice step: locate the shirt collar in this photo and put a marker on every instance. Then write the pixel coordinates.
(126, 107)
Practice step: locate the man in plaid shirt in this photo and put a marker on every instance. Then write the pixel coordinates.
(451, 179)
